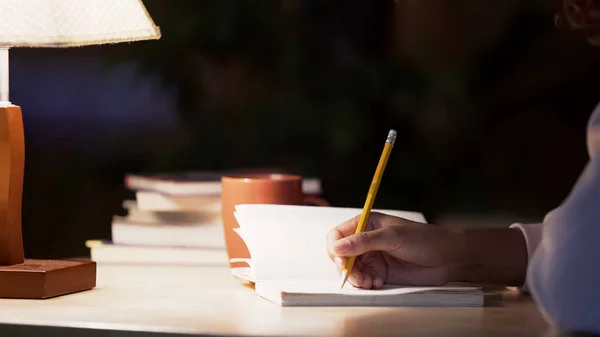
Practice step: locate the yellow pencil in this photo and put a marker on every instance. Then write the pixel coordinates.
(364, 217)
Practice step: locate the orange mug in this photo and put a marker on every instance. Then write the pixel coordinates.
(258, 188)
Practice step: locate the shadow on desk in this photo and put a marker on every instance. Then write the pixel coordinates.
(36, 331)
(515, 317)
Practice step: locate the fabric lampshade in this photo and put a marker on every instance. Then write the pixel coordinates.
(72, 23)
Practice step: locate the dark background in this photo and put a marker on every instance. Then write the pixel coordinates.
(490, 100)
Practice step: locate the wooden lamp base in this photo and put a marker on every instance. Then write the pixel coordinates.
(20, 277)
(40, 279)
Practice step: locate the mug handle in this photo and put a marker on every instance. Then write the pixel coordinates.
(309, 199)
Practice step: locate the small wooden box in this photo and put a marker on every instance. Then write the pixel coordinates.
(40, 279)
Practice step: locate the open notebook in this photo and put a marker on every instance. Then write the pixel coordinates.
(290, 267)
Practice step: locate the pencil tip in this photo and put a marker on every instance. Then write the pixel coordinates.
(344, 279)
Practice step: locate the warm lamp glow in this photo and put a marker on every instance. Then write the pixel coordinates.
(69, 23)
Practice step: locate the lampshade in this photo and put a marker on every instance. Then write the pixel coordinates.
(71, 23)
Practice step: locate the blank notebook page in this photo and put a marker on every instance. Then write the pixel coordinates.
(290, 242)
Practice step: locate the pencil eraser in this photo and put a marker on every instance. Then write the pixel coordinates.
(391, 138)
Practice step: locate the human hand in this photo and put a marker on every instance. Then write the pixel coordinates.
(393, 250)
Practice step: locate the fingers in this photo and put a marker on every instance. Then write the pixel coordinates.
(375, 267)
(347, 227)
(337, 246)
(357, 244)
(368, 272)
(333, 236)
(356, 277)
(339, 232)
(365, 276)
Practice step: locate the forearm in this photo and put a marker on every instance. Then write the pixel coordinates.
(494, 256)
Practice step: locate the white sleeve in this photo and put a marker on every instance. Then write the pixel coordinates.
(564, 270)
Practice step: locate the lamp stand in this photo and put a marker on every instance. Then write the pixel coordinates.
(20, 277)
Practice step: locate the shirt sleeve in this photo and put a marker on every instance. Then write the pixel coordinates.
(564, 270)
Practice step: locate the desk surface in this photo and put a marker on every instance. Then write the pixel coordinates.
(208, 301)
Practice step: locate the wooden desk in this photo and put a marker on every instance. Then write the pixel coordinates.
(208, 301)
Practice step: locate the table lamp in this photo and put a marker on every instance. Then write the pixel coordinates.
(49, 23)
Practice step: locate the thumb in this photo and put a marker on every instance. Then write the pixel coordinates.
(361, 243)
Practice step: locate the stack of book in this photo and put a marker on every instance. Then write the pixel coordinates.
(174, 219)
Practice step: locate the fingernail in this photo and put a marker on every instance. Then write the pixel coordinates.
(338, 261)
(341, 246)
